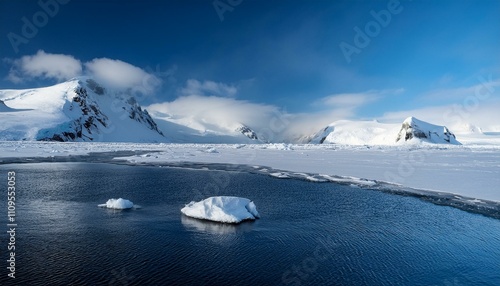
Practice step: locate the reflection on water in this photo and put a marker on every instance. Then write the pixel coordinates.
(214, 227)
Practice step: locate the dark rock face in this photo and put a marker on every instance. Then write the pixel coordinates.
(95, 87)
(141, 115)
(84, 127)
(248, 132)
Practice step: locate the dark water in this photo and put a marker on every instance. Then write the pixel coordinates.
(309, 234)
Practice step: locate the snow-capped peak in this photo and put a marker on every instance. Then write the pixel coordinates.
(247, 131)
(413, 128)
(79, 109)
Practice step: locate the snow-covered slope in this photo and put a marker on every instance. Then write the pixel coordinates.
(418, 130)
(194, 130)
(348, 132)
(77, 110)
(412, 131)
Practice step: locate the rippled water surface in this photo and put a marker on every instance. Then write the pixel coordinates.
(309, 234)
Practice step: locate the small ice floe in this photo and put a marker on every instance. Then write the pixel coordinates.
(281, 175)
(223, 209)
(118, 204)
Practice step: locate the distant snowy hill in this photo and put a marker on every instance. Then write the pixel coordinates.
(194, 130)
(348, 132)
(77, 110)
(412, 130)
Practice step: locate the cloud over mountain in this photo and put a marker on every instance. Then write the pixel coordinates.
(60, 67)
(44, 65)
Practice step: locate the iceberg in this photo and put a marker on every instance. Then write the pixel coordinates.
(119, 204)
(223, 209)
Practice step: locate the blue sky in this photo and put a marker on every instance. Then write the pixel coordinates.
(285, 54)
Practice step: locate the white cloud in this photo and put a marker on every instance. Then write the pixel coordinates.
(348, 99)
(469, 105)
(195, 87)
(485, 87)
(354, 100)
(44, 65)
(217, 110)
(270, 122)
(114, 73)
(482, 114)
(198, 110)
(344, 105)
(122, 75)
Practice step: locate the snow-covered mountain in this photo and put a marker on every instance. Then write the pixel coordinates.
(412, 130)
(82, 109)
(347, 132)
(247, 131)
(196, 130)
(77, 110)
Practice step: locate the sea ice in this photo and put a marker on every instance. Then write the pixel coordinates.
(118, 204)
(222, 209)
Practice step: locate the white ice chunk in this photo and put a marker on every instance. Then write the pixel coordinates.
(281, 175)
(222, 209)
(118, 204)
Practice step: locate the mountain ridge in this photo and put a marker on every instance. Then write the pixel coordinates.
(81, 109)
(76, 110)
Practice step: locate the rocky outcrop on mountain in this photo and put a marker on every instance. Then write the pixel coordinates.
(86, 126)
(138, 114)
(320, 137)
(247, 131)
(88, 121)
(413, 128)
